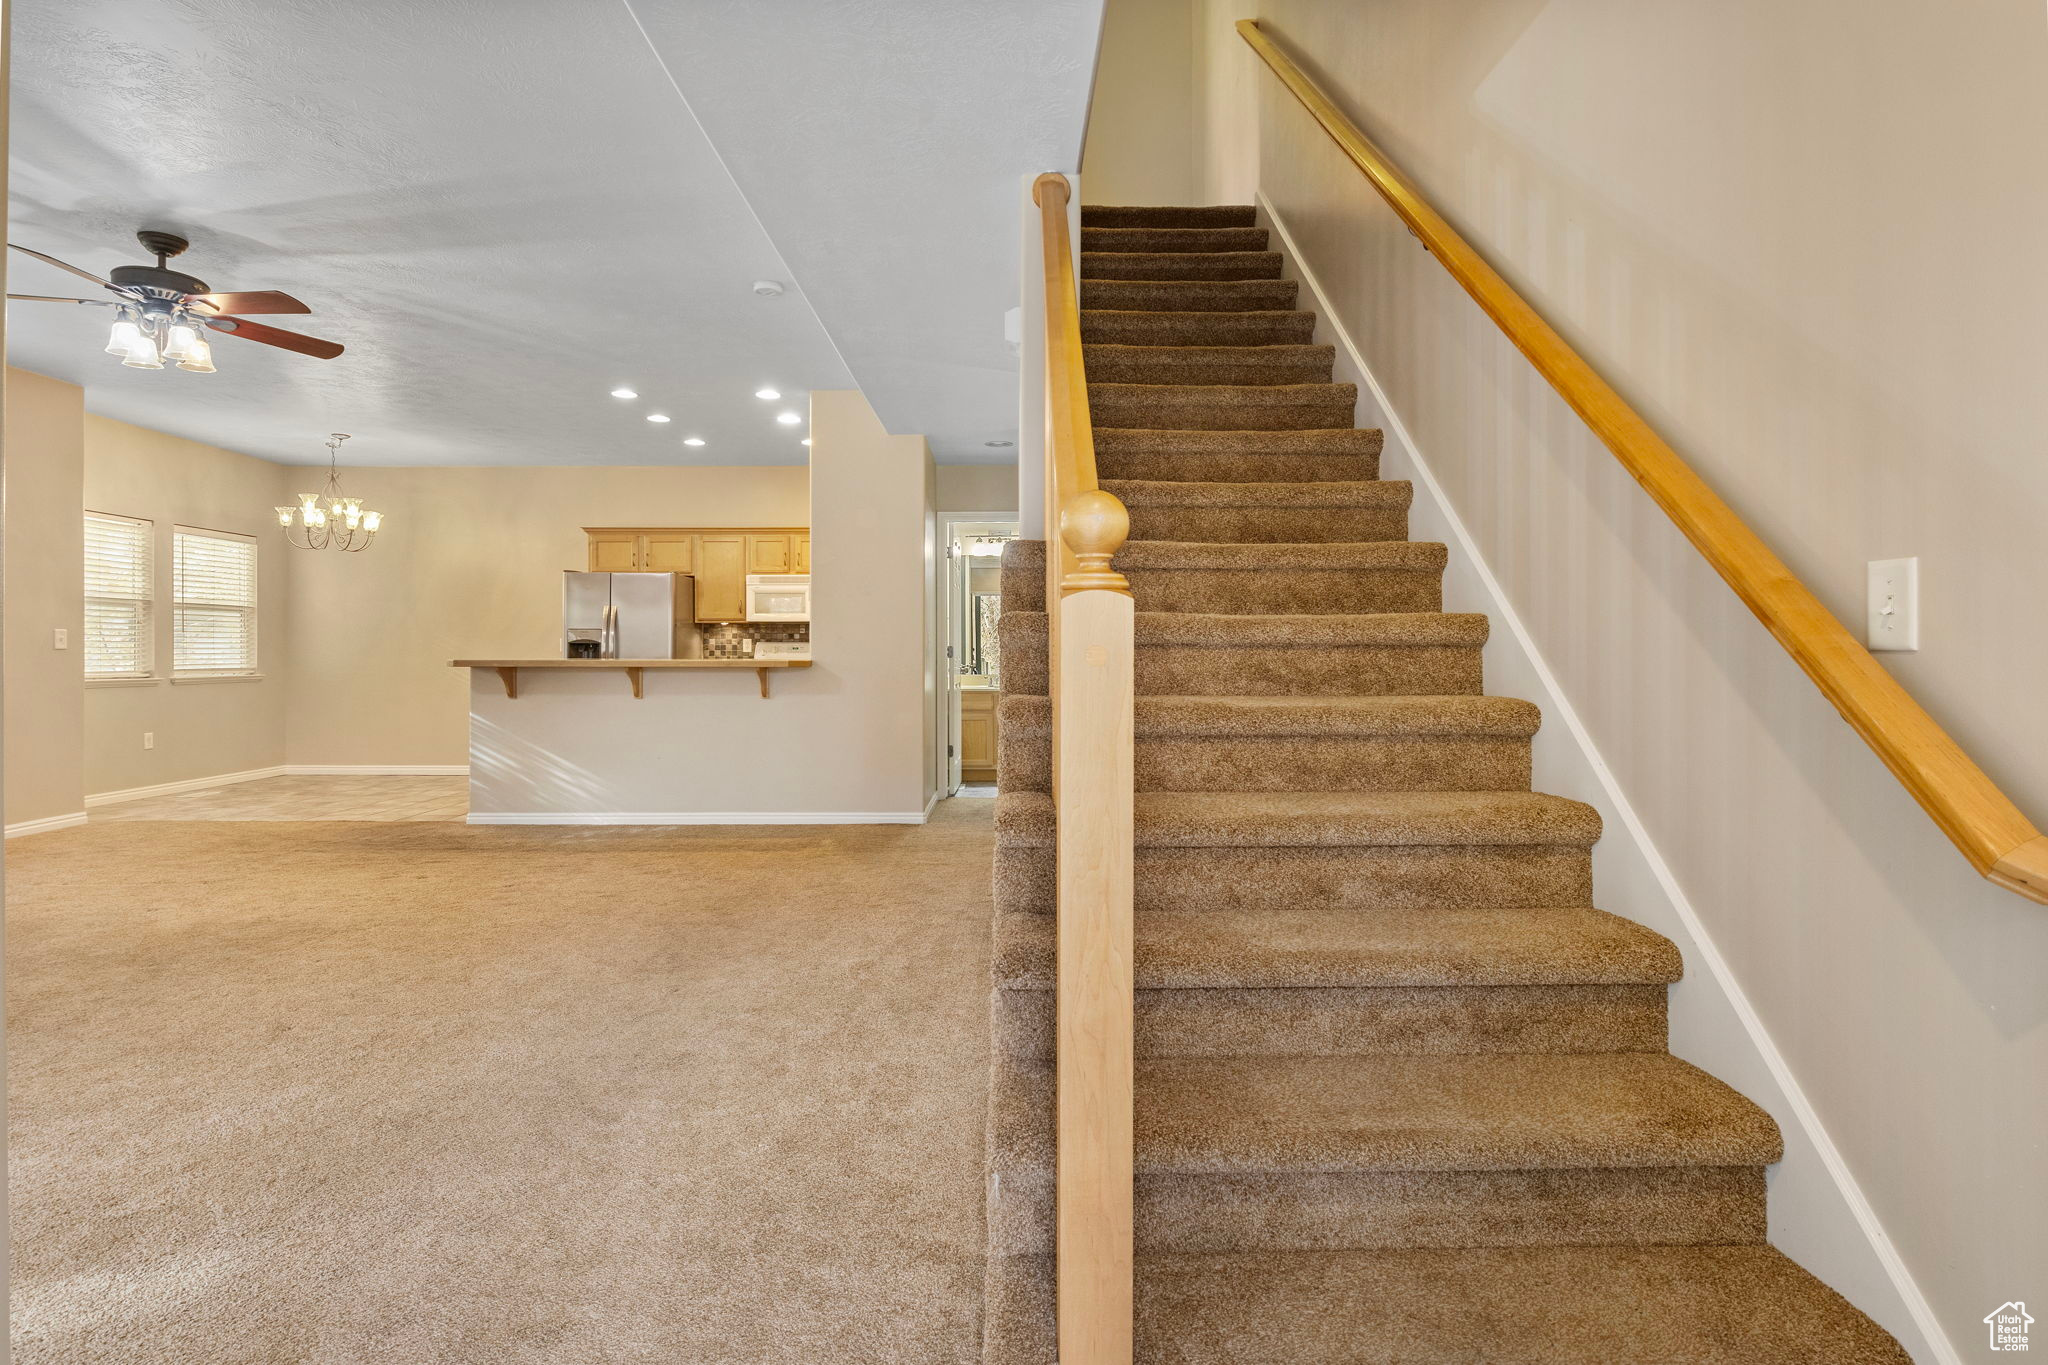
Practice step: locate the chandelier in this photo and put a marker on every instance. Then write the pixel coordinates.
(342, 524)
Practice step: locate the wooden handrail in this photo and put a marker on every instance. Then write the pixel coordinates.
(1090, 678)
(1999, 841)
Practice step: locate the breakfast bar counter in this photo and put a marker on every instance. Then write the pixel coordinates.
(634, 669)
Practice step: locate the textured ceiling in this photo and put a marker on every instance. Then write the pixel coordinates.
(503, 210)
(884, 144)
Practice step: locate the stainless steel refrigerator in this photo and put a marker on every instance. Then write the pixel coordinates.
(630, 616)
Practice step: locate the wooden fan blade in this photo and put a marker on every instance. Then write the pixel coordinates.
(52, 298)
(275, 336)
(61, 265)
(252, 301)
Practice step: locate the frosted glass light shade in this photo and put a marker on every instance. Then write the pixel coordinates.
(198, 357)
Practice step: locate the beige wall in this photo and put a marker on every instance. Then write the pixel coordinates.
(1732, 212)
(45, 546)
(470, 565)
(202, 728)
(977, 487)
(848, 737)
(1141, 139)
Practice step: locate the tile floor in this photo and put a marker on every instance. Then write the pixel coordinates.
(305, 798)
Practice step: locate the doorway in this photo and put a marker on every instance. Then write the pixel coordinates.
(973, 650)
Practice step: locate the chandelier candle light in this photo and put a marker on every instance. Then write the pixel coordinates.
(342, 524)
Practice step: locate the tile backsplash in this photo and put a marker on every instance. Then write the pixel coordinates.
(732, 640)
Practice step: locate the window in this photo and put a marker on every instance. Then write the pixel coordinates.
(213, 592)
(117, 596)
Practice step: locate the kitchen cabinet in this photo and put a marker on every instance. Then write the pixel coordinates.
(668, 552)
(722, 578)
(978, 734)
(719, 557)
(616, 553)
(768, 554)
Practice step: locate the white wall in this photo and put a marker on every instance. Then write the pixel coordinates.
(202, 728)
(1709, 199)
(1141, 139)
(45, 546)
(848, 738)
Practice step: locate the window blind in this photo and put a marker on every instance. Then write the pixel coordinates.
(213, 590)
(117, 596)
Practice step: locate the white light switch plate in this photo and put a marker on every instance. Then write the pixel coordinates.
(60, 638)
(1893, 604)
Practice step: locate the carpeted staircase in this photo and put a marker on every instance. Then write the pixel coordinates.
(1402, 1092)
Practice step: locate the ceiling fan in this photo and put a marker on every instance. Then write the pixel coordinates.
(161, 311)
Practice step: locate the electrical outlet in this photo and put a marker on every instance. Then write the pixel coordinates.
(60, 638)
(1894, 604)
(149, 739)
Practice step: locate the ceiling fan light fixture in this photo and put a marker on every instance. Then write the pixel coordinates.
(198, 357)
(181, 338)
(143, 355)
(126, 336)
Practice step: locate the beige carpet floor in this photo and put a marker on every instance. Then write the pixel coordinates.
(433, 1094)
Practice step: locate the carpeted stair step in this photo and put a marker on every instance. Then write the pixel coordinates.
(1343, 454)
(1150, 216)
(1322, 819)
(1407, 1150)
(1347, 578)
(1123, 240)
(1113, 327)
(1190, 654)
(1180, 265)
(1190, 296)
(1265, 743)
(1169, 364)
(1546, 1305)
(1326, 852)
(1216, 983)
(1265, 513)
(1223, 407)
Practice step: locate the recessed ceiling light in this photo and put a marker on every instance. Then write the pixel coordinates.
(999, 444)
(768, 289)
(657, 417)
(624, 393)
(788, 419)
(807, 440)
(768, 394)
(693, 440)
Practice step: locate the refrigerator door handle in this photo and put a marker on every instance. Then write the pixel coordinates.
(611, 631)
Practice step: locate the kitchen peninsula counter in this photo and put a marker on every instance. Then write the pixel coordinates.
(634, 669)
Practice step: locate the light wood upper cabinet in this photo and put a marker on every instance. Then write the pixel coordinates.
(721, 578)
(768, 554)
(613, 552)
(719, 557)
(668, 552)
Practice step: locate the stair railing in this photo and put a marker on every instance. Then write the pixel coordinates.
(1089, 631)
(1982, 822)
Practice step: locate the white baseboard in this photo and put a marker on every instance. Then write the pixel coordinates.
(193, 784)
(1806, 1138)
(375, 770)
(692, 817)
(190, 784)
(46, 824)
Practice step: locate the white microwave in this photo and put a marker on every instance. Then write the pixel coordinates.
(778, 597)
